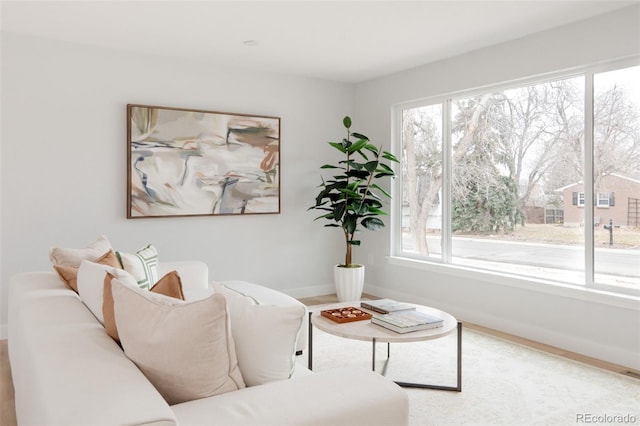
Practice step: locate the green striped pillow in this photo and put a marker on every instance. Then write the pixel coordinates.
(143, 265)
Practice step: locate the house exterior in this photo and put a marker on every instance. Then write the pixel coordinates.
(617, 198)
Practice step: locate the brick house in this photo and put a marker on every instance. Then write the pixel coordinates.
(617, 198)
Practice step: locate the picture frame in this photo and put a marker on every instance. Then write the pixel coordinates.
(190, 162)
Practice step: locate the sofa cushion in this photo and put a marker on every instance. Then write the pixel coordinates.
(69, 274)
(170, 285)
(185, 349)
(143, 265)
(73, 256)
(342, 396)
(271, 331)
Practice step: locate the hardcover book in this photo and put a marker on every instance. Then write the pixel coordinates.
(407, 321)
(384, 306)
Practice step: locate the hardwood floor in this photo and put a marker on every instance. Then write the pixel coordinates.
(7, 400)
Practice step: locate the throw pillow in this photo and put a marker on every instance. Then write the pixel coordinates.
(69, 274)
(271, 331)
(170, 285)
(91, 285)
(143, 265)
(73, 256)
(185, 349)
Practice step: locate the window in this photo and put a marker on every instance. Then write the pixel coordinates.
(579, 199)
(603, 199)
(481, 171)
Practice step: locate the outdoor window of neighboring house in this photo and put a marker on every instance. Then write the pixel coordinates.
(479, 171)
(605, 199)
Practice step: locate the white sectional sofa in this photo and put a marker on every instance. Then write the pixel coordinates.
(67, 371)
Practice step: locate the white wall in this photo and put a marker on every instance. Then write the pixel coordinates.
(64, 162)
(599, 326)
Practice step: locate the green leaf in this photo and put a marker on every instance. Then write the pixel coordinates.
(385, 168)
(349, 193)
(377, 211)
(338, 146)
(373, 149)
(329, 166)
(360, 174)
(371, 166)
(372, 223)
(373, 185)
(359, 136)
(339, 211)
(350, 223)
(354, 242)
(358, 145)
(346, 121)
(389, 156)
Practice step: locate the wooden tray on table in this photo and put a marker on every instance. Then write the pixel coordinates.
(348, 314)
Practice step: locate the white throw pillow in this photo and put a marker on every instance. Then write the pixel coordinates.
(185, 349)
(265, 336)
(143, 265)
(73, 257)
(91, 284)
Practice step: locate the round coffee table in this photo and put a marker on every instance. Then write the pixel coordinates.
(365, 330)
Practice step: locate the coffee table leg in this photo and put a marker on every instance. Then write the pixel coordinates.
(457, 388)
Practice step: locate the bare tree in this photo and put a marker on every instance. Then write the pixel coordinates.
(423, 174)
(616, 134)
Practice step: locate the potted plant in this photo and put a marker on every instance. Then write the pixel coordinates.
(351, 200)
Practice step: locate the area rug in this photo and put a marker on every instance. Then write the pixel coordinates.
(503, 383)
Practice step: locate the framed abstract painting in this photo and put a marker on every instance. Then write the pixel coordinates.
(183, 162)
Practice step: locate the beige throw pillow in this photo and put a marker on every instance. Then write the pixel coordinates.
(69, 274)
(170, 285)
(73, 256)
(185, 349)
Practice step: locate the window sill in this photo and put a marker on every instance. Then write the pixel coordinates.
(529, 283)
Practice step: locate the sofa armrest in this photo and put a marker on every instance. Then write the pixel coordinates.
(194, 274)
(267, 296)
(317, 399)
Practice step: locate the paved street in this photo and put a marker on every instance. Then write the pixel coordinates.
(607, 261)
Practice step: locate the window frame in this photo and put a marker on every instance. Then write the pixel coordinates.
(580, 199)
(601, 197)
(443, 264)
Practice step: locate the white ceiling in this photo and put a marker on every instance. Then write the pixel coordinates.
(348, 41)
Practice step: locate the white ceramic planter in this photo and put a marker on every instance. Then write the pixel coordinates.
(349, 283)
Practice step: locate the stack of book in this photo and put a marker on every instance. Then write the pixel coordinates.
(400, 317)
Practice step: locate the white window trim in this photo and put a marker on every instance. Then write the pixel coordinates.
(590, 290)
(603, 196)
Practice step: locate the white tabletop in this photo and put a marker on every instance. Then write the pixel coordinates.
(364, 330)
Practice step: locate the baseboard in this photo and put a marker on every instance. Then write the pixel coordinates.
(302, 292)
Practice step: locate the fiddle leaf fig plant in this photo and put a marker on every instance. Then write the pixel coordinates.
(351, 198)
